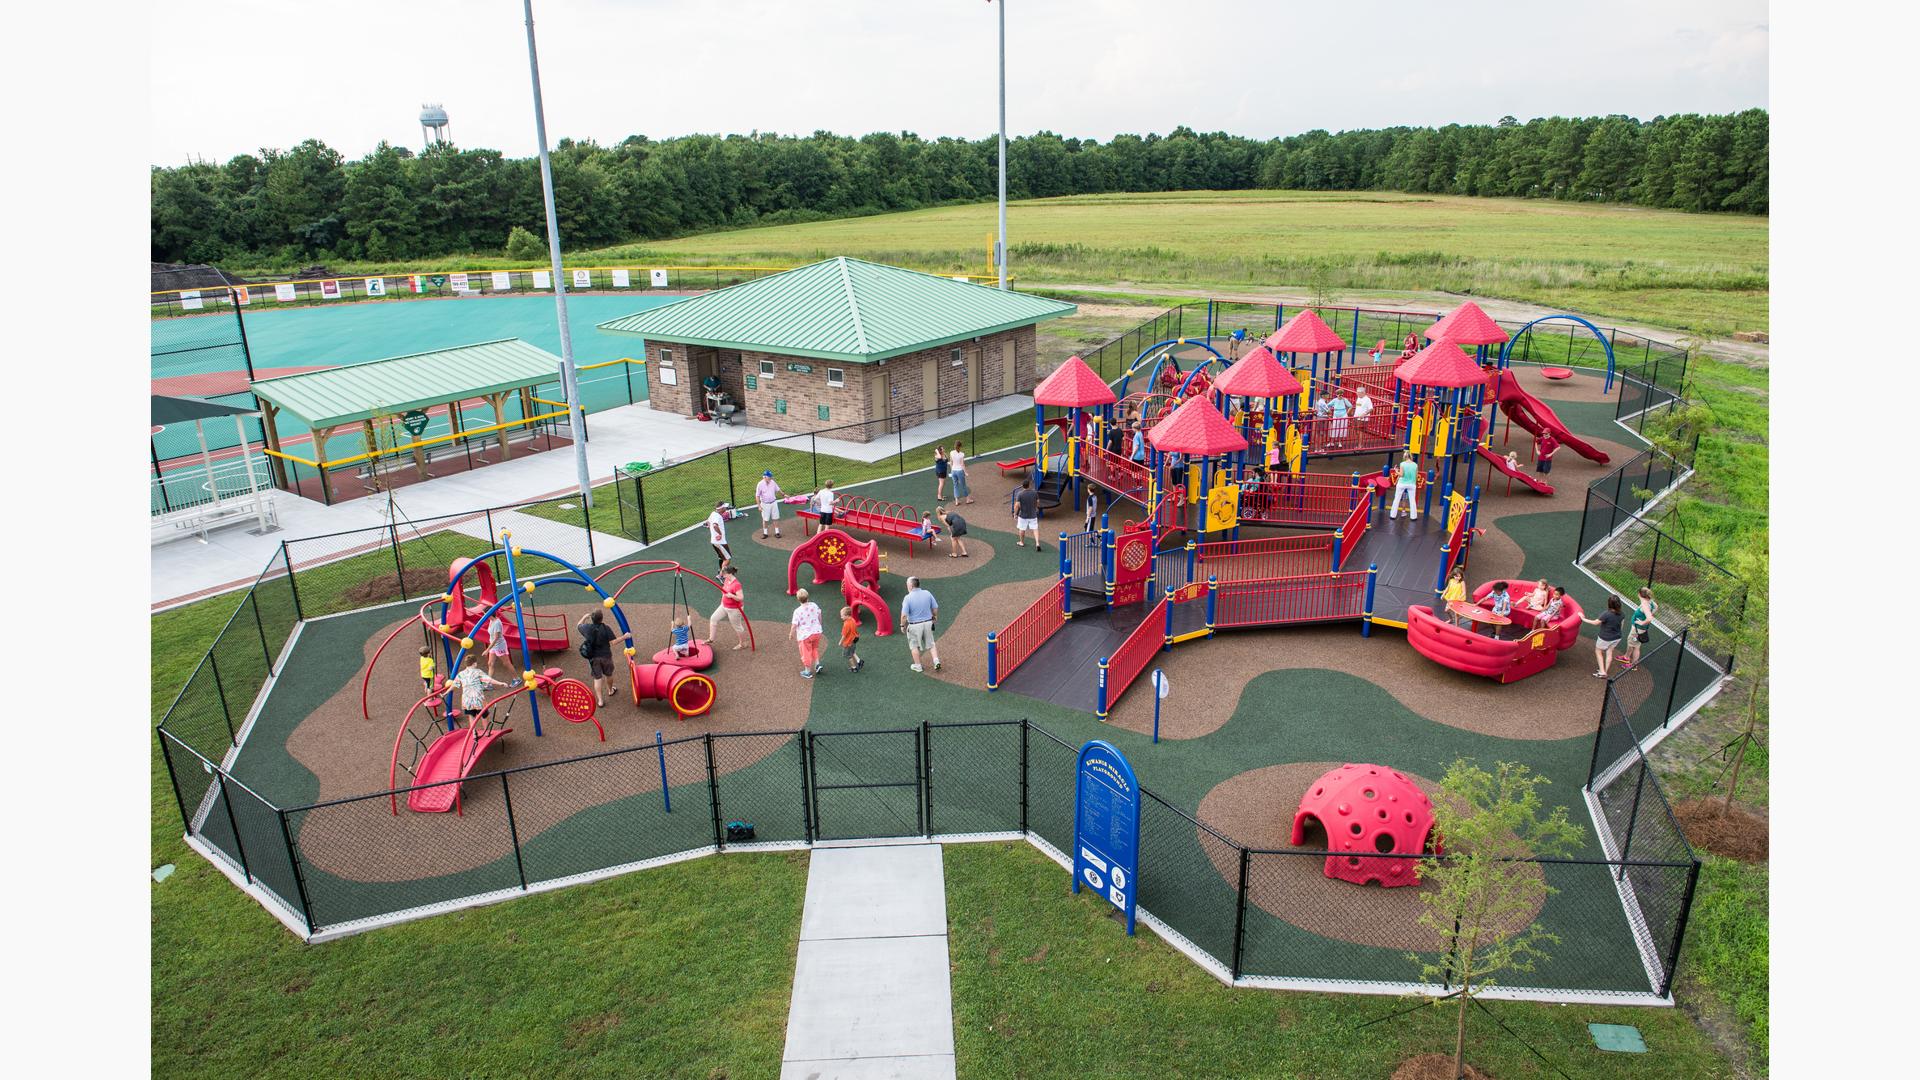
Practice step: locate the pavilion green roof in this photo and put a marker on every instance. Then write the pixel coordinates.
(840, 309)
(378, 388)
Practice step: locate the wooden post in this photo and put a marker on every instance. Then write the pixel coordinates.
(499, 403)
(279, 466)
(419, 454)
(320, 437)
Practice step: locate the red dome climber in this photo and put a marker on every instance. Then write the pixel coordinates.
(1198, 429)
(1442, 363)
(1368, 811)
(1259, 374)
(1305, 333)
(1467, 325)
(1073, 385)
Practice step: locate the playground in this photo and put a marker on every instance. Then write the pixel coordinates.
(1284, 646)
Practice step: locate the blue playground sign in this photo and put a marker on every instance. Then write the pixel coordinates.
(1106, 826)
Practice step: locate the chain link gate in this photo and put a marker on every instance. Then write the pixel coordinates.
(867, 784)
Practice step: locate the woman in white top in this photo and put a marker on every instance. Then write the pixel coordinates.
(957, 465)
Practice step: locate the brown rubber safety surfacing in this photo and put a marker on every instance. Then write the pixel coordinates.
(1255, 808)
(927, 561)
(963, 641)
(363, 841)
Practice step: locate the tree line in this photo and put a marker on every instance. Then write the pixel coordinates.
(283, 208)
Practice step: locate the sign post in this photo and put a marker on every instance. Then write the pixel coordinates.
(415, 421)
(1106, 826)
(1162, 686)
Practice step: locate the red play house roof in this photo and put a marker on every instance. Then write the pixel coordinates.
(1259, 374)
(1073, 385)
(1467, 325)
(1305, 333)
(1441, 364)
(1196, 427)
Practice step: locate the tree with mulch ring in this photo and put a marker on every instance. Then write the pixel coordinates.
(1666, 573)
(417, 581)
(1436, 1067)
(1733, 832)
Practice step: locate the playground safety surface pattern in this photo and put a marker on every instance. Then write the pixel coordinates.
(1250, 715)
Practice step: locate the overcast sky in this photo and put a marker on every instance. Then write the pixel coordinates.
(232, 76)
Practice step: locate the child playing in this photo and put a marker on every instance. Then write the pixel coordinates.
(426, 667)
(1501, 603)
(1513, 463)
(1538, 598)
(473, 689)
(928, 530)
(850, 638)
(1456, 590)
(496, 642)
(804, 631)
(682, 636)
(1551, 613)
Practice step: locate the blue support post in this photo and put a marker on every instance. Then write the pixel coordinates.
(520, 620)
(1193, 551)
(993, 659)
(1339, 538)
(1100, 694)
(1353, 495)
(1156, 705)
(1353, 339)
(1426, 501)
(1106, 563)
(1166, 633)
(1440, 577)
(1213, 593)
(1366, 612)
(660, 748)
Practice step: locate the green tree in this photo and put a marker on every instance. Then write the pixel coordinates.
(524, 247)
(1480, 895)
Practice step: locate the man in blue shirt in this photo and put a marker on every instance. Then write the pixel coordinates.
(918, 609)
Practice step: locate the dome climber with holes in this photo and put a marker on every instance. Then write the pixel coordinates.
(1366, 812)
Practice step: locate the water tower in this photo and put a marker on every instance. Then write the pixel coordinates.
(433, 124)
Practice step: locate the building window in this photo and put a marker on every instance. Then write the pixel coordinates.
(666, 357)
(766, 368)
(825, 413)
(837, 377)
(780, 406)
(957, 360)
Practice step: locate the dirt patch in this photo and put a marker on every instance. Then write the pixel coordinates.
(926, 561)
(1435, 1067)
(1738, 833)
(1666, 573)
(963, 642)
(759, 691)
(420, 581)
(1256, 809)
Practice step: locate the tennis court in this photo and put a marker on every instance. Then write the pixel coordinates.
(196, 356)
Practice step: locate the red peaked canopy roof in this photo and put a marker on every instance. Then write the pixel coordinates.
(1305, 333)
(1073, 385)
(1467, 325)
(1442, 363)
(1259, 374)
(1197, 428)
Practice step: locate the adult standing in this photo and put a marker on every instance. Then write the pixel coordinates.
(1609, 639)
(733, 605)
(918, 610)
(1026, 513)
(805, 631)
(767, 493)
(717, 533)
(1362, 408)
(1340, 409)
(957, 465)
(956, 527)
(823, 501)
(596, 644)
(1406, 484)
(1643, 613)
(1139, 452)
(1544, 447)
(940, 467)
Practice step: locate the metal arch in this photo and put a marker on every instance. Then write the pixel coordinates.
(1507, 349)
(1154, 374)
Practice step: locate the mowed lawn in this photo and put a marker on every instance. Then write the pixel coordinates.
(1706, 272)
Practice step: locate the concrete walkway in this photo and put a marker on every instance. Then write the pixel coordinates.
(872, 996)
(233, 556)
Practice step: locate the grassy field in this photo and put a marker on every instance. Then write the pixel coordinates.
(1048, 984)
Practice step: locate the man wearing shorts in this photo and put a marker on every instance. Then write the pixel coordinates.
(596, 640)
(1543, 450)
(1026, 514)
(823, 504)
(918, 609)
(717, 533)
(768, 494)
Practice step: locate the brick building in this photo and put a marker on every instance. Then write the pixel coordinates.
(842, 342)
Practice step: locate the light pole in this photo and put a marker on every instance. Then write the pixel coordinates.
(1003, 142)
(569, 377)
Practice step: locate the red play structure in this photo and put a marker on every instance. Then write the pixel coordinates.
(1368, 811)
(1534, 415)
(1499, 463)
(855, 565)
(899, 520)
(452, 755)
(1527, 652)
(545, 633)
(686, 690)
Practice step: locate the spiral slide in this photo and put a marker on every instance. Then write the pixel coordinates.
(1533, 414)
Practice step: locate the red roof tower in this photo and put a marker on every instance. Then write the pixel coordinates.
(1196, 428)
(1467, 325)
(1073, 385)
(1259, 374)
(1442, 363)
(1305, 333)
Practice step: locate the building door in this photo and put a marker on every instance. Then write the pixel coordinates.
(973, 374)
(929, 389)
(1006, 368)
(882, 396)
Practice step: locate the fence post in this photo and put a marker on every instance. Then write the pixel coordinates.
(220, 688)
(292, 583)
(713, 796)
(813, 453)
(1633, 818)
(923, 777)
(239, 846)
(265, 653)
(174, 778)
(1673, 688)
(1680, 928)
(399, 568)
(513, 831)
(1599, 733)
(1654, 563)
(1240, 914)
(730, 499)
(1024, 725)
(299, 879)
(806, 804)
(640, 501)
(586, 511)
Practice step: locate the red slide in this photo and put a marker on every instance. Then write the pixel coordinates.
(452, 756)
(1499, 463)
(1533, 414)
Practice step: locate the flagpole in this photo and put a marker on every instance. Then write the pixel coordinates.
(1003, 144)
(569, 377)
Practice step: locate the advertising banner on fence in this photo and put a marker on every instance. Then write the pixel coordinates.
(542, 279)
(659, 278)
(619, 279)
(286, 292)
(458, 281)
(241, 296)
(190, 300)
(376, 286)
(1106, 826)
(582, 279)
(502, 281)
(330, 290)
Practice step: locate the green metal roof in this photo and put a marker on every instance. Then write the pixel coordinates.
(394, 385)
(841, 309)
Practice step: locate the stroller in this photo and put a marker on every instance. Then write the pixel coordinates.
(724, 412)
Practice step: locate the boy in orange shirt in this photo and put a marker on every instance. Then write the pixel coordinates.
(850, 637)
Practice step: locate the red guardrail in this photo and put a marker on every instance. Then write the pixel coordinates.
(1113, 472)
(1383, 429)
(1029, 630)
(1281, 601)
(1354, 529)
(1297, 499)
(1267, 557)
(1133, 655)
